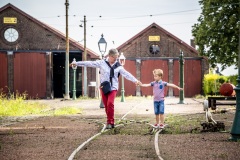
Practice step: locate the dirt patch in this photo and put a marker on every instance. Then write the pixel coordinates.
(56, 138)
(198, 146)
(44, 138)
(128, 142)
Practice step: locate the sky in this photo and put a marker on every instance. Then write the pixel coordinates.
(117, 20)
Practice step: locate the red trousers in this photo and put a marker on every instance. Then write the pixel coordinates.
(108, 101)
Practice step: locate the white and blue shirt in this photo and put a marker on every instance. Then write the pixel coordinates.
(105, 72)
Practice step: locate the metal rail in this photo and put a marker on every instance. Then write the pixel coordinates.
(84, 143)
(156, 144)
(104, 130)
(156, 131)
(96, 135)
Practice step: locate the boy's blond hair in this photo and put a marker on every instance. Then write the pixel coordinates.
(158, 72)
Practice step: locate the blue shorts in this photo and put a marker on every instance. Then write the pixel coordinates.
(159, 107)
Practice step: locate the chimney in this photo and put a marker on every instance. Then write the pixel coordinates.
(192, 43)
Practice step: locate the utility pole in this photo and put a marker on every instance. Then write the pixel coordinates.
(84, 59)
(67, 56)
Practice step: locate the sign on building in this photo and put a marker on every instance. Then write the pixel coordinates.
(9, 20)
(153, 38)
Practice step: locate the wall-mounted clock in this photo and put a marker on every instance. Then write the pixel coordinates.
(11, 35)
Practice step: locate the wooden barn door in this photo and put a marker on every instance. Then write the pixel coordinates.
(192, 77)
(30, 74)
(129, 87)
(4, 72)
(147, 75)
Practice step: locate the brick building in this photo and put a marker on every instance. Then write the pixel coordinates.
(154, 47)
(32, 56)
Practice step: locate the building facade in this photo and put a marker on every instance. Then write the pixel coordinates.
(32, 59)
(32, 56)
(154, 48)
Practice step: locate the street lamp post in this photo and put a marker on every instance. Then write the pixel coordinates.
(122, 62)
(74, 67)
(181, 72)
(102, 45)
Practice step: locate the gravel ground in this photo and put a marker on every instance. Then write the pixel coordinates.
(44, 138)
(129, 142)
(198, 146)
(55, 138)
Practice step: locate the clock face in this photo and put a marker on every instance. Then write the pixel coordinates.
(11, 35)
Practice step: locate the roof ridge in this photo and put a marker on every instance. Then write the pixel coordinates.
(163, 30)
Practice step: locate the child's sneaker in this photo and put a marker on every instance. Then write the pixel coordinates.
(161, 126)
(110, 126)
(156, 125)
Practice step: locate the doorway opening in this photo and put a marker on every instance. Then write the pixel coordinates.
(59, 74)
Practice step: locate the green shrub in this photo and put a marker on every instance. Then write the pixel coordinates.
(16, 105)
(212, 83)
(233, 79)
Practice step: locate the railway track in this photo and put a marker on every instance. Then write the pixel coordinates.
(98, 134)
(156, 144)
(104, 130)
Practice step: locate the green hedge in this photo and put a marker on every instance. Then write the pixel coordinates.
(213, 82)
(233, 79)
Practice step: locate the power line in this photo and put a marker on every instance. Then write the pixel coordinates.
(145, 25)
(117, 26)
(127, 17)
(140, 16)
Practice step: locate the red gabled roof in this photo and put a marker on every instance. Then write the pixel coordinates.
(53, 30)
(162, 30)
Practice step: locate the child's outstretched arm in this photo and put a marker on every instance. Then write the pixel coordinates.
(145, 85)
(174, 86)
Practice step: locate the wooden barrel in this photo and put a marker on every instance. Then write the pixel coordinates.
(227, 89)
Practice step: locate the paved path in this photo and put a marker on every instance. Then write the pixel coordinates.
(142, 105)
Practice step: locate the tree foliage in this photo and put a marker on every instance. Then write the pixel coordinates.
(217, 31)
